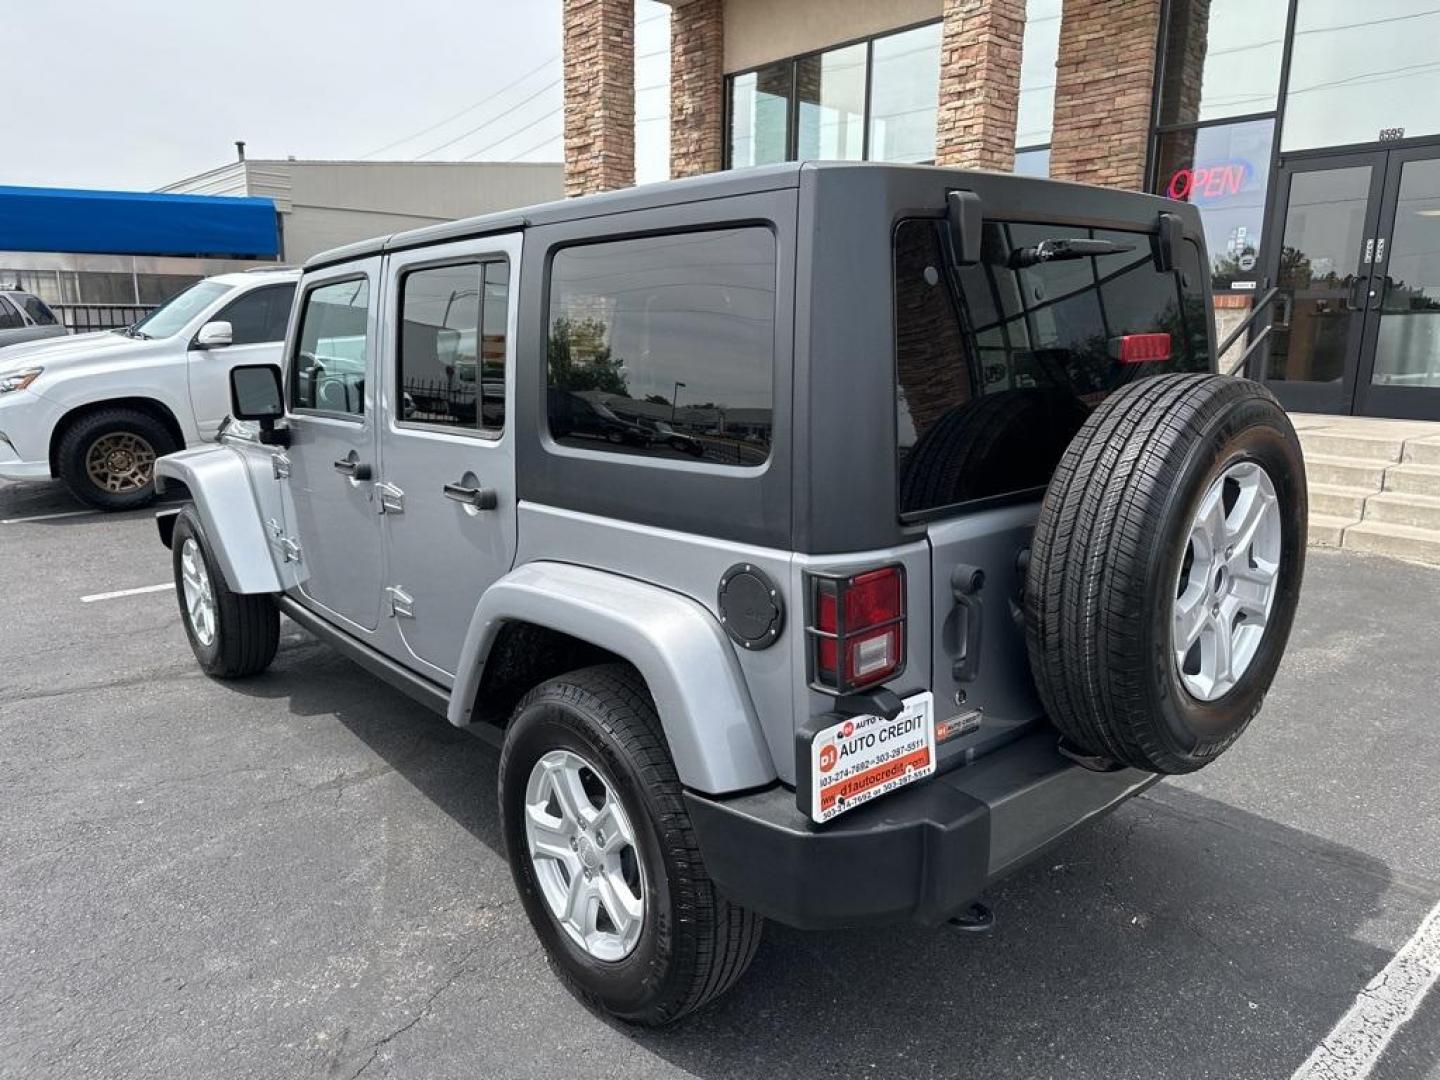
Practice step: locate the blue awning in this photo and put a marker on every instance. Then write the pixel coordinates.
(137, 223)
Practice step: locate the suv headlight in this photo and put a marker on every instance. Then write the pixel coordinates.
(18, 380)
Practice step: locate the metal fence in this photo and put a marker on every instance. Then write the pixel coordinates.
(83, 318)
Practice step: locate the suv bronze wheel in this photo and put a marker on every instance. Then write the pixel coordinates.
(107, 458)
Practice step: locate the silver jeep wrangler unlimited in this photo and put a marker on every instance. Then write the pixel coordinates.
(820, 542)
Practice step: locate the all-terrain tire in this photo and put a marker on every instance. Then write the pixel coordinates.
(1001, 442)
(1107, 558)
(694, 943)
(243, 633)
(137, 439)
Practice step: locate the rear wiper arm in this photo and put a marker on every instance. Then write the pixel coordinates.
(1061, 250)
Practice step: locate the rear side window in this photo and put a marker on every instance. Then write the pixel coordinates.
(452, 346)
(259, 316)
(39, 312)
(329, 364)
(998, 364)
(665, 346)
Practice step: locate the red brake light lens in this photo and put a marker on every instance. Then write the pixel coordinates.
(1143, 348)
(861, 618)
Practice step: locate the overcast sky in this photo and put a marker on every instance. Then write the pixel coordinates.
(138, 93)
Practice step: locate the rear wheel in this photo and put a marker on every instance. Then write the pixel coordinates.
(232, 634)
(604, 856)
(1165, 570)
(107, 459)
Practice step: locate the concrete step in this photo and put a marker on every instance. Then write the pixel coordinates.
(1327, 530)
(1397, 541)
(1344, 472)
(1423, 451)
(1398, 508)
(1412, 479)
(1348, 444)
(1335, 501)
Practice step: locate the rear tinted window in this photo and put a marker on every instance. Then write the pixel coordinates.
(998, 366)
(665, 346)
(39, 312)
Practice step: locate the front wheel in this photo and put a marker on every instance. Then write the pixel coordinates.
(232, 634)
(604, 856)
(107, 459)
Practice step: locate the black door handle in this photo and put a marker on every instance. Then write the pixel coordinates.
(966, 583)
(353, 469)
(481, 498)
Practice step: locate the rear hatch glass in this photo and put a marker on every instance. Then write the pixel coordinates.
(999, 363)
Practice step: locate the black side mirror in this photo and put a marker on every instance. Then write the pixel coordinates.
(256, 394)
(964, 220)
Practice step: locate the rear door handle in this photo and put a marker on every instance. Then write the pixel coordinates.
(353, 469)
(481, 498)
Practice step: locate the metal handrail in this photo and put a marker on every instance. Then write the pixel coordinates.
(1244, 328)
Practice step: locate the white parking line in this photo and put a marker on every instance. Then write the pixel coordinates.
(127, 592)
(1356, 1043)
(46, 517)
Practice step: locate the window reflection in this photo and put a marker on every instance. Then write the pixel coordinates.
(664, 346)
(1407, 352)
(330, 360)
(452, 346)
(904, 90)
(1358, 70)
(1039, 52)
(1222, 58)
(830, 88)
(760, 116)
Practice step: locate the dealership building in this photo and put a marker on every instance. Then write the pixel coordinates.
(1306, 131)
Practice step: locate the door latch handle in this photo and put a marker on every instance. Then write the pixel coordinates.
(966, 583)
(355, 470)
(481, 498)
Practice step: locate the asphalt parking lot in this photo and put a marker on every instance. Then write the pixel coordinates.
(300, 875)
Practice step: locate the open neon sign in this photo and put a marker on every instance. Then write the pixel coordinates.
(1203, 182)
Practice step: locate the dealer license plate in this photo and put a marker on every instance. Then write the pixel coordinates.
(864, 757)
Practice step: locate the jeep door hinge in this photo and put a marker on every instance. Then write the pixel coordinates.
(391, 500)
(280, 465)
(288, 548)
(402, 606)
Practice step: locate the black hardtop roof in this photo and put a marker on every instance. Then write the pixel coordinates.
(674, 192)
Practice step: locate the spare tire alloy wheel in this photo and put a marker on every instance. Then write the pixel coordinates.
(120, 462)
(583, 850)
(1228, 580)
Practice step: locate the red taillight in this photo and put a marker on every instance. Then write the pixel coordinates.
(1143, 348)
(862, 620)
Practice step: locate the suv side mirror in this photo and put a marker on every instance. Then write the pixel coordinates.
(215, 335)
(256, 394)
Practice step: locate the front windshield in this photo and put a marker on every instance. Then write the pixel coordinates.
(175, 314)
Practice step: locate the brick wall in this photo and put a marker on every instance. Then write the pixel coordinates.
(599, 95)
(1102, 93)
(697, 87)
(979, 83)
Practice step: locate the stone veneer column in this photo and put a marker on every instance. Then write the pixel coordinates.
(599, 95)
(697, 87)
(979, 83)
(1102, 91)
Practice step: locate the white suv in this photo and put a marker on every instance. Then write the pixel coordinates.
(96, 410)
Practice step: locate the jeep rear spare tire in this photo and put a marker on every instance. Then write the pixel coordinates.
(1165, 570)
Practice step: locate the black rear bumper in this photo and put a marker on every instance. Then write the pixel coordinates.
(920, 854)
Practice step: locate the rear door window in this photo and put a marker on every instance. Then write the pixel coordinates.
(9, 316)
(39, 312)
(665, 346)
(998, 364)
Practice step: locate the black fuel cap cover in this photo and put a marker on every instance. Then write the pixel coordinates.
(751, 609)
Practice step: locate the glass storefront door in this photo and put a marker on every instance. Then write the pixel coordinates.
(1356, 325)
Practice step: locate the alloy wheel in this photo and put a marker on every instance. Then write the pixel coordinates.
(582, 847)
(1227, 581)
(120, 462)
(199, 596)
